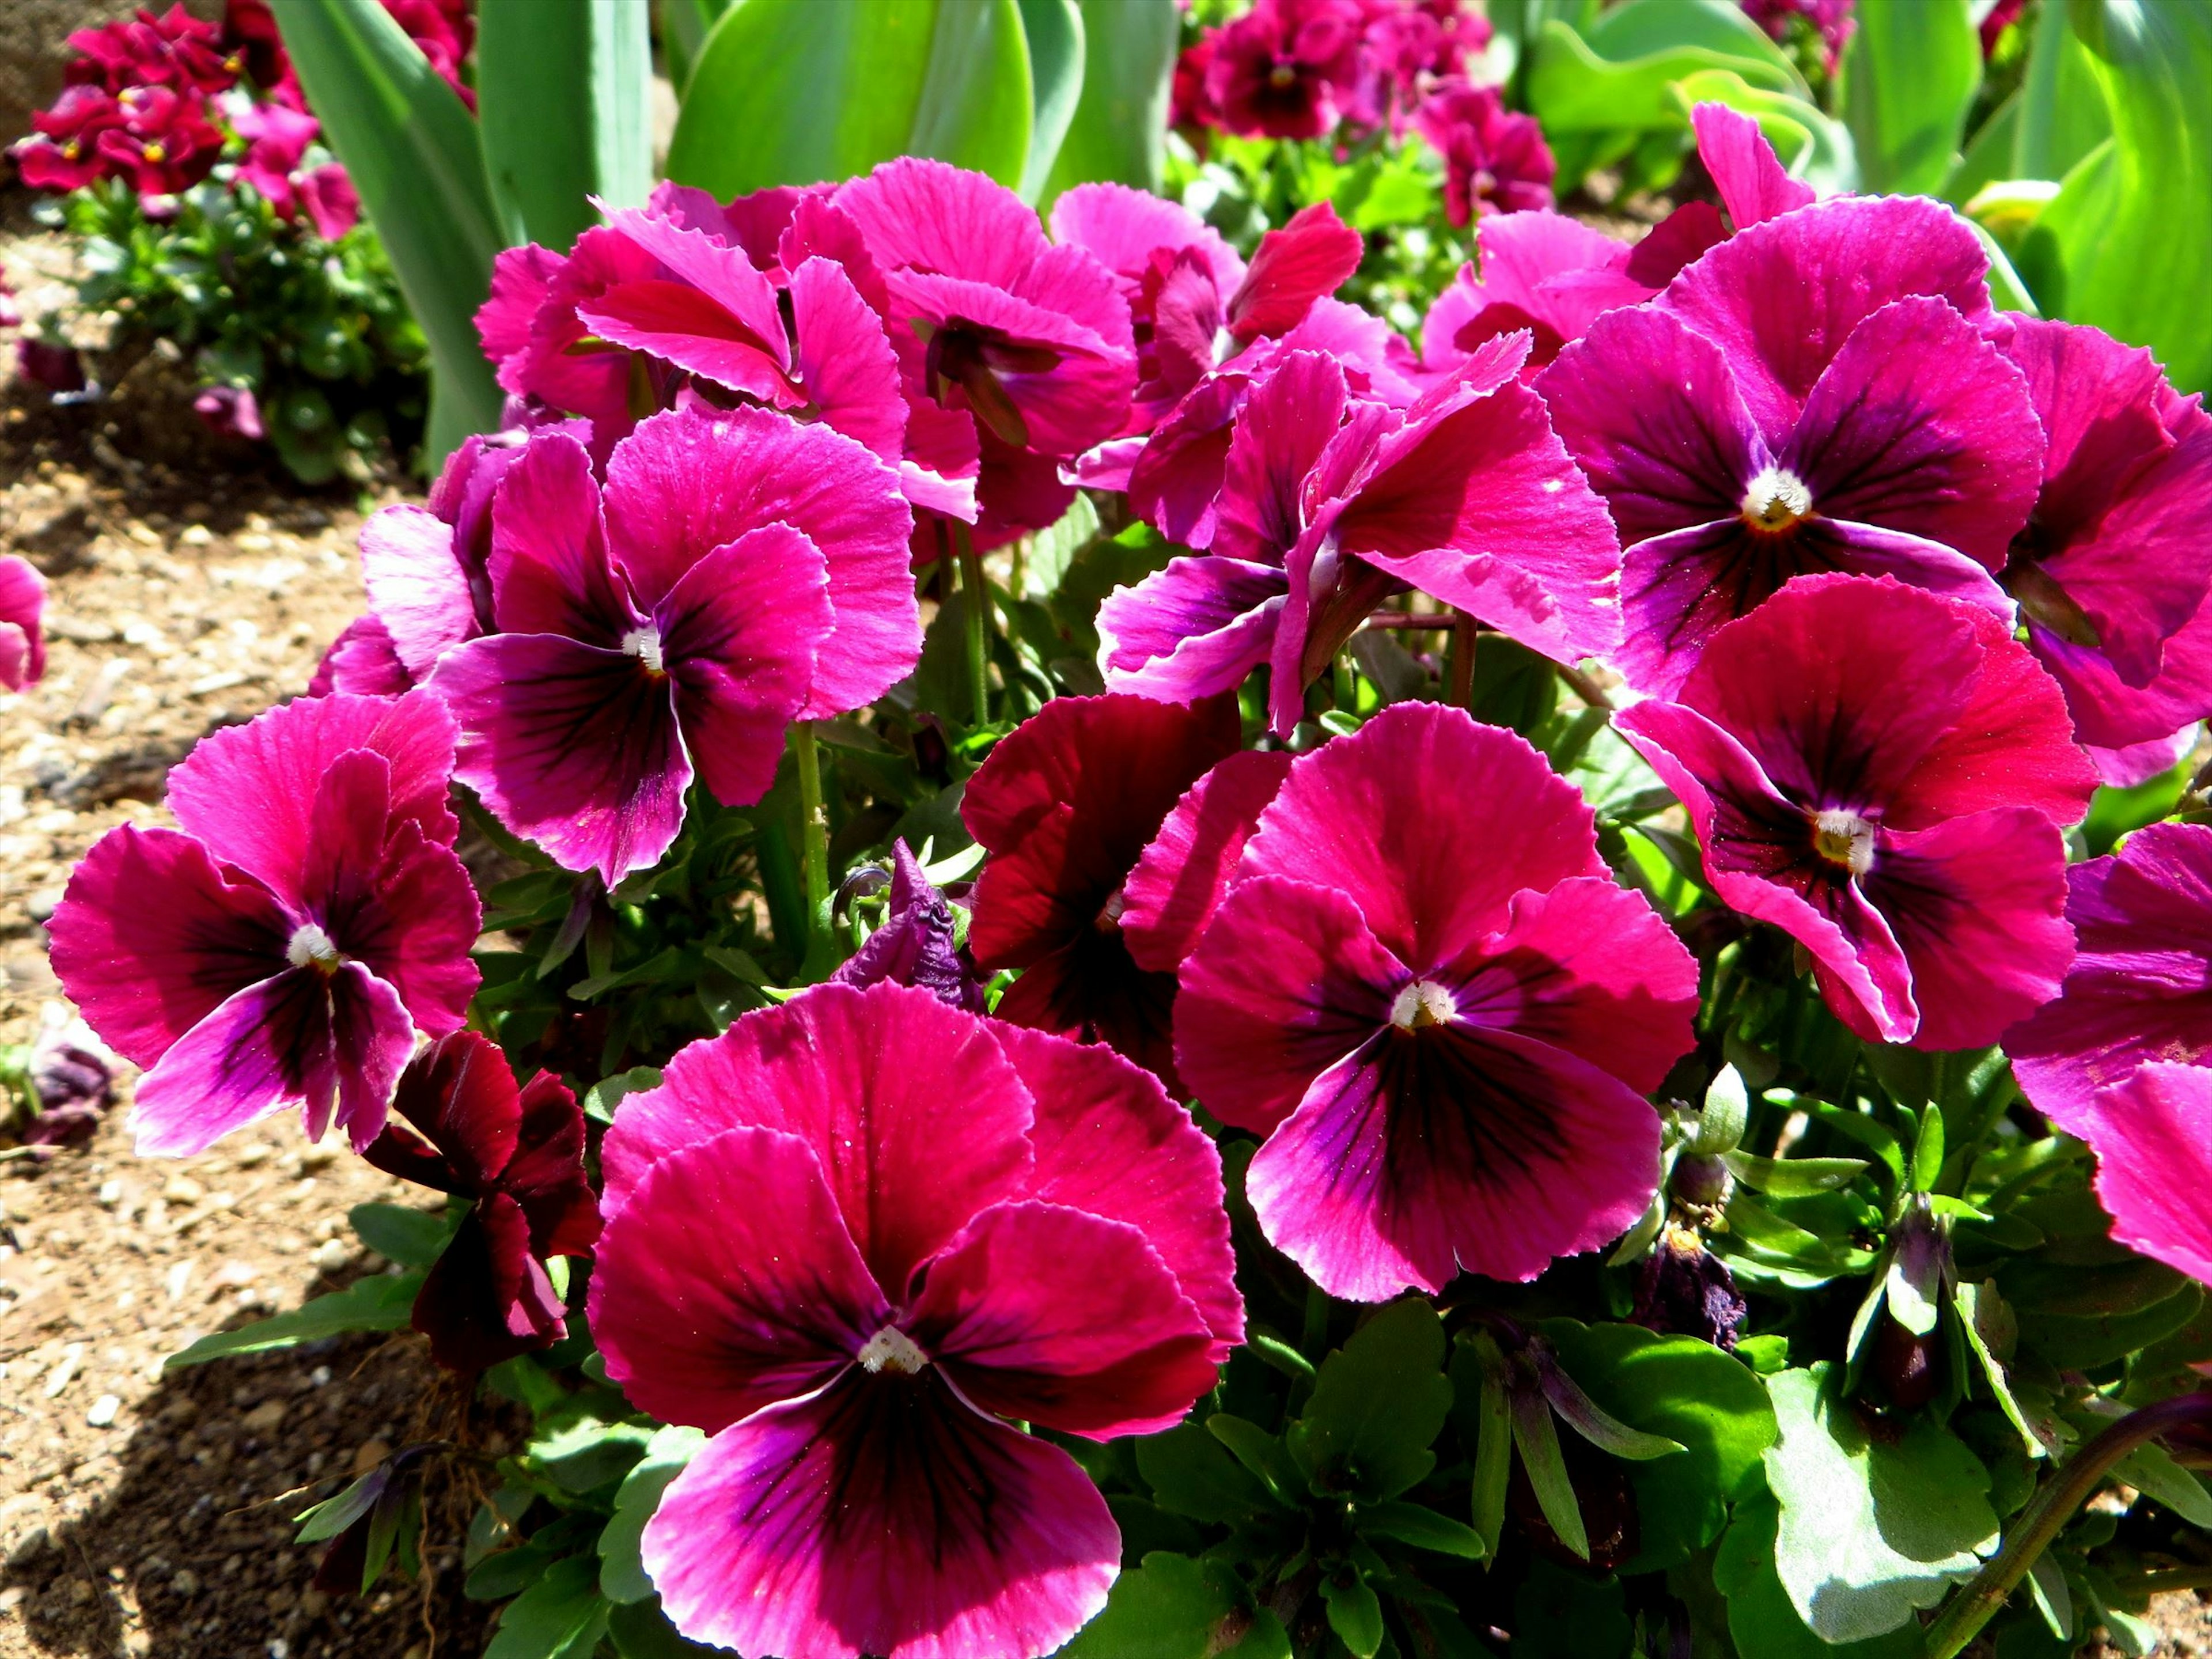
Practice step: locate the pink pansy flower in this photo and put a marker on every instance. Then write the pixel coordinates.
(2112, 570)
(737, 572)
(1447, 1055)
(547, 354)
(1544, 272)
(1881, 772)
(1178, 882)
(2151, 1133)
(1286, 69)
(63, 153)
(1330, 504)
(285, 944)
(2140, 986)
(1750, 180)
(1495, 160)
(22, 633)
(329, 199)
(277, 140)
(848, 1238)
(1813, 394)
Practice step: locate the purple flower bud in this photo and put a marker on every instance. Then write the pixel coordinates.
(1687, 1290)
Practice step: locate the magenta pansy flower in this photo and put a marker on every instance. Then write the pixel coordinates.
(22, 619)
(1495, 160)
(1881, 772)
(2112, 569)
(1813, 394)
(1544, 272)
(2151, 1133)
(2140, 986)
(1748, 176)
(285, 944)
(517, 1155)
(1065, 804)
(1286, 69)
(849, 1238)
(1329, 503)
(737, 572)
(1446, 1056)
(1178, 883)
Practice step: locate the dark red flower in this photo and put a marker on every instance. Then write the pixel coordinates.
(249, 30)
(1066, 805)
(1190, 104)
(62, 152)
(165, 143)
(1495, 160)
(519, 1154)
(1286, 68)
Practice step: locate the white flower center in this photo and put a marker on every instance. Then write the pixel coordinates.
(311, 947)
(1422, 1003)
(1843, 838)
(1776, 500)
(644, 644)
(891, 1349)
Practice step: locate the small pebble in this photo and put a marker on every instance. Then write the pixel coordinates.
(332, 1255)
(111, 1194)
(182, 1189)
(104, 1411)
(184, 1581)
(72, 1356)
(263, 1418)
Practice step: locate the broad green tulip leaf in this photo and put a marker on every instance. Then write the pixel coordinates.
(1120, 130)
(564, 94)
(2063, 113)
(1692, 1393)
(410, 147)
(1871, 1531)
(792, 92)
(1989, 155)
(1812, 145)
(2127, 244)
(684, 25)
(1909, 77)
(1053, 32)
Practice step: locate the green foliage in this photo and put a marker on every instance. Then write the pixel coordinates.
(412, 1237)
(564, 99)
(622, 1571)
(1173, 1607)
(316, 330)
(788, 93)
(1119, 131)
(1909, 78)
(380, 1303)
(1377, 1407)
(411, 148)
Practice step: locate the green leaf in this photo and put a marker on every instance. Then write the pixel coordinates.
(562, 1616)
(2063, 114)
(2085, 1341)
(622, 1570)
(1355, 1613)
(1794, 1177)
(412, 1237)
(1192, 1473)
(641, 1629)
(410, 147)
(1537, 1440)
(580, 1448)
(1053, 30)
(1692, 1393)
(1173, 1607)
(1986, 1322)
(1561, 1614)
(564, 96)
(1871, 1531)
(1727, 1110)
(2153, 1472)
(1120, 130)
(1908, 78)
(327, 1519)
(1597, 1424)
(1422, 1528)
(791, 92)
(605, 1096)
(1258, 1451)
(2115, 812)
(1491, 1430)
(383, 1302)
(1759, 1614)
(1377, 1407)
(2127, 244)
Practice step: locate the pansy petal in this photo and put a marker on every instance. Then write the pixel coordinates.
(546, 1176)
(1176, 886)
(248, 791)
(847, 368)
(575, 747)
(1743, 167)
(1977, 904)
(485, 1300)
(548, 567)
(1307, 258)
(936, 217)
(1780, 298)
(721, 271)
(689, 327)
(1122, 227)
(2150, 1135)
(1453, 1149)
(1192, 629)
(1340, 816)
(916, 1118)
(415, 928)
(360, 662)
(151, 936)
(1290, 420)
(883, 1516)
(1286, 981)
(416, 586)
(692, 480)
(1069, 1321)
(1922, 426)
(459, 1094)
(731, 1282)
(738, 632)
(1108, 1141)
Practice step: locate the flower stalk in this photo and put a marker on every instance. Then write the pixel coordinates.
(976, 614)
(2049, 1511)
(814, 847)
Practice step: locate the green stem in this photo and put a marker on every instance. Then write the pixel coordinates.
(2048, 1511)
(976, 613)
(814, 855)
(1461, 665)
